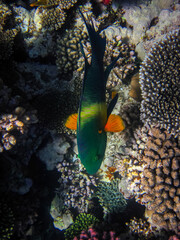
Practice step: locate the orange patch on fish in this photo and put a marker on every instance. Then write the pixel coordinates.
(71, 122)
(114, 124)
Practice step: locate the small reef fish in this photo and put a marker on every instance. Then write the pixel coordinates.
(38, 3)
(43, 3)
(94, 119)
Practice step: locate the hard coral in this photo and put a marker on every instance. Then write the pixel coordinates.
(6, 35)
(68, 50)
(55, 12)
(154, 176)
(159, 80)
(125, 64)
(110, 197)
(10, 124)
(143, 229)
(67, 4)
(78, 187)
(93, 234)
(83, 222)
(53, 19)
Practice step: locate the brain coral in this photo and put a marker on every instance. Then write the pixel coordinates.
(154, 176)
(159, 79)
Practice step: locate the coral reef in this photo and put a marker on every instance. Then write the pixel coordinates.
(40, 173)
(53, 19)
(54, 13)
(10, 124)
(154, 176)
(6, 221)
(139, 17)
(77, 185)
(167, 21)
(6, 35)
(135, 91)
(54, 151)
(68, 49)
(83, 222)
(114, 46)
(93, 234)
(143, 229)
(159, 80)
(110, 197)
(45, 78)
(62, 218)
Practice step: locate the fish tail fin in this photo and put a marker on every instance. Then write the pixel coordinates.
(98, 43)
(110, 66)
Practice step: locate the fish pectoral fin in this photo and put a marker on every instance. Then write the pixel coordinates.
(113, 94)
(114, 124)
(71, 122)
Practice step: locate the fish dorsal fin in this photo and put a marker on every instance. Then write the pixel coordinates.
(71, 122)
(114, 124)
(110, 67)
(112, 105)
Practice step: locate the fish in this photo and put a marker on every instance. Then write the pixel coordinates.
(39, 3)
(94, 118)
(44, 3)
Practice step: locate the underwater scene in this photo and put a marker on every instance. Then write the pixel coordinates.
(89, 119)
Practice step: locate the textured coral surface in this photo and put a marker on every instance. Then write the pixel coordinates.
(155, 177)
(159, 80)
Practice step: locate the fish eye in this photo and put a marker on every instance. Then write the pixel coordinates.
(100, 131)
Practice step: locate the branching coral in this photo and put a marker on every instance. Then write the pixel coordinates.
(159, 79)
(110, 197)
(53, 19)
(78, 187)
(83, 222)
(68, 50)
(55, 12)
(154, 176)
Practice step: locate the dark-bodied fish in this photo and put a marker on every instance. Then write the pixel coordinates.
(94, 119)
